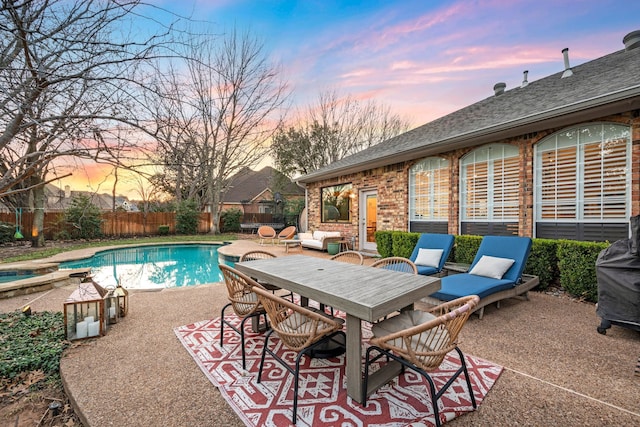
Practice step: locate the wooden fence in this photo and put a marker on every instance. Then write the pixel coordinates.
(116, 224)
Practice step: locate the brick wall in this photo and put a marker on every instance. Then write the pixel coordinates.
(392, 185)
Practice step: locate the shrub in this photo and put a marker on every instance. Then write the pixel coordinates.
(543, 262)
(7, 231)
(231, 220)
(84, 218)
(465, 248)
(29, 343)
(187, 217)
(163, 230)
(384, 242)
(403, 243)
(577, 266)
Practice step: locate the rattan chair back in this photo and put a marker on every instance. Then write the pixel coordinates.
(257, 254)
(395, 263)
(427, 344)
(240, 290)
(298, 327)
(351, 257)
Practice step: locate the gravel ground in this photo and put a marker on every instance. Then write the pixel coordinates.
(558, 369)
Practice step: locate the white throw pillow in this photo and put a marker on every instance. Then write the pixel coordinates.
(429, 257)
(490, 266)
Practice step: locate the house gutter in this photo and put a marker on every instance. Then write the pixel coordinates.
(599, 106)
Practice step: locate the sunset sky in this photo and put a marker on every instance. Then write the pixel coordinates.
(424, 59)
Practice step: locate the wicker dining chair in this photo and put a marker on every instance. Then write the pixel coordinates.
(260, 254)
(243, 301)
(396, 263)
(266, 232)
(351, 257)
(420, 340)
(300, 329)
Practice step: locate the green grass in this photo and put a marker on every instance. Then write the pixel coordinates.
(47, 252)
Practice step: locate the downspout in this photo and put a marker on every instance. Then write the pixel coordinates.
(306, 204)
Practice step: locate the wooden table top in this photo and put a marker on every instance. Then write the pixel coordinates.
(361, 291)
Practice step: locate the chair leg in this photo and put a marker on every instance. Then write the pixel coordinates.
(466, 375)
(264, 353)
(222, 322)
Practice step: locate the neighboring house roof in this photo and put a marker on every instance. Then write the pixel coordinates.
(604, 86)
(59, 200)
(249, 185)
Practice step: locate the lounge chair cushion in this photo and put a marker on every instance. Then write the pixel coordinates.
(429, 257)
(407, 320)
(460, 285)
(426, 271)
(442, 242)
(493, 267)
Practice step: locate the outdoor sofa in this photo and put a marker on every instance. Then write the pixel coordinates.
(319, 239)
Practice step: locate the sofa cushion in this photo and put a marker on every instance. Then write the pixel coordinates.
(311, 243)
(321, 235)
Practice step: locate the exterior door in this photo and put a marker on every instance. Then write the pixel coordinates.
(368, 219)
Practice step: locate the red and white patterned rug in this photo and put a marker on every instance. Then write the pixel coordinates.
(323, 397)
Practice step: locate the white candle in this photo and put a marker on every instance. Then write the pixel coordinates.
(94, 329)
(81, 329)
(89, 319)
(112, 312)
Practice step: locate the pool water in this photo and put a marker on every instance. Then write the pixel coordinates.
(153, 267)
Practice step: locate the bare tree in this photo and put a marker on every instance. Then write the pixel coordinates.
(331, 129)
(218, 117)
(67, 71)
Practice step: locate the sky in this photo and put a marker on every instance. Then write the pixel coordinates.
(422, 58)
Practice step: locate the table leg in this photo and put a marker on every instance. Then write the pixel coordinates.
(354, 358)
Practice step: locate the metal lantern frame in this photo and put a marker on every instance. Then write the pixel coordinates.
(116, 304)
(122, 297)
(84, 311)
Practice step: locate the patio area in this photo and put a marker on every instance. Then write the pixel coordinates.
(557, 369)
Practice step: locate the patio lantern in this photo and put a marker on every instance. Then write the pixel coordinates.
(84, 311)
(122, 297)
(111, 306)
(116, 304)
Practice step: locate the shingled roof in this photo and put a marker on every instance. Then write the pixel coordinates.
(247, 185)
(604, 86)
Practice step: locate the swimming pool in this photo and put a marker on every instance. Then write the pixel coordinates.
(153, 267)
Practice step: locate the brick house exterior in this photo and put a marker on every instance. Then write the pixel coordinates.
(600, 94)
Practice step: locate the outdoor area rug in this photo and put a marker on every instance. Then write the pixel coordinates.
(323, 397)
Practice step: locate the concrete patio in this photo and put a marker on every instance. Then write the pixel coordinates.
(558, 369)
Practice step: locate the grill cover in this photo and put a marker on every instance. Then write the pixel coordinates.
(618, 273)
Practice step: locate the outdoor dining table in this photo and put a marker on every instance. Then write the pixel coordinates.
(362, 292)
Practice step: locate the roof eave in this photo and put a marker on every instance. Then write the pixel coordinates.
(584, 110)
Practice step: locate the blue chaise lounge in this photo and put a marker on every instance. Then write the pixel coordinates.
(495, 274)
(431, 252)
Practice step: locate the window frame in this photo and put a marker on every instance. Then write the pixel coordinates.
(573, 191)
(492, 157)
(343, 193)
(430, 165)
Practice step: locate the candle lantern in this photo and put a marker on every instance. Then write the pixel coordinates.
(122, 297)
(111, 311)
(84, 311)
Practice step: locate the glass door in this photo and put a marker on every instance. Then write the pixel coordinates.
(368, 219)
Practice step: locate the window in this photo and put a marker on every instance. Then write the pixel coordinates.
(429, 190)
(336, 203)
(489, 184)
(582, 174)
